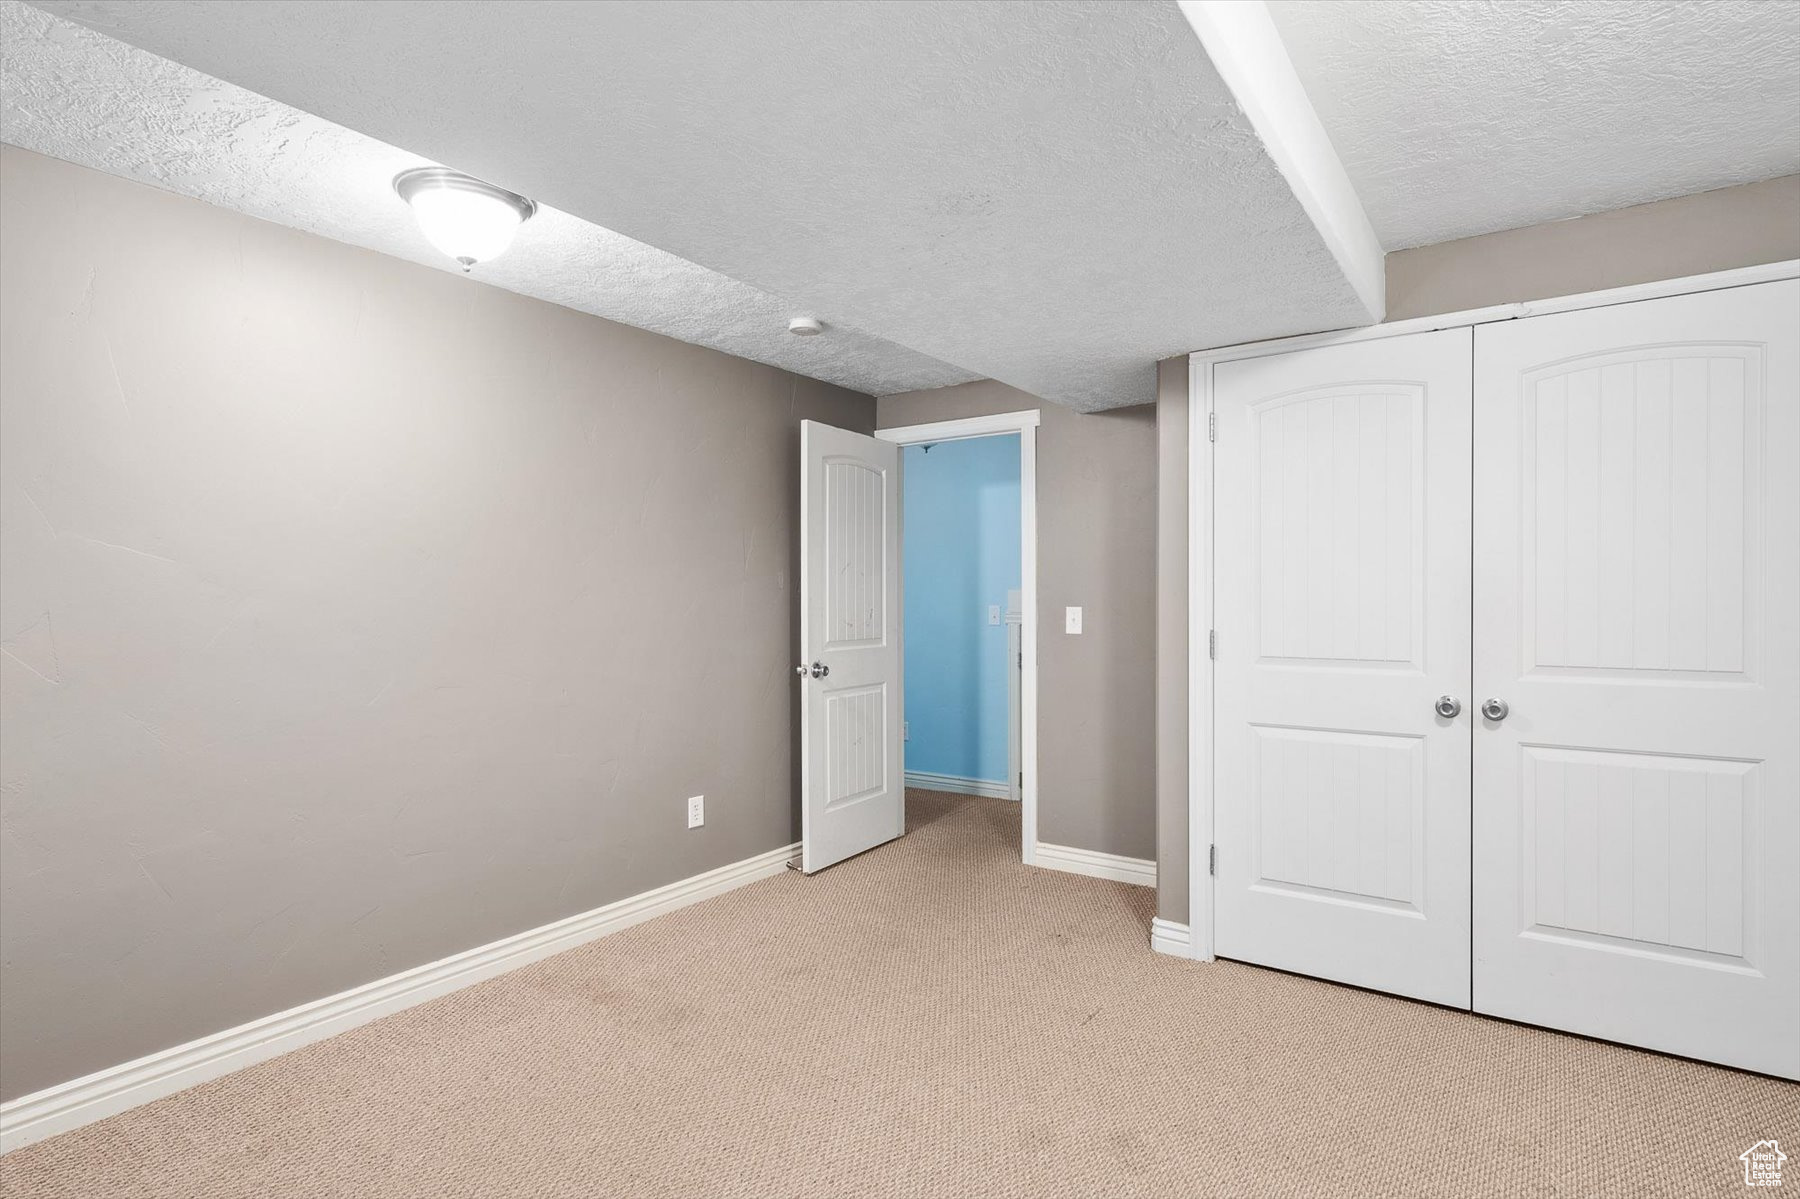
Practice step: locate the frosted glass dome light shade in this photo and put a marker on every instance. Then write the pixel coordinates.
(467, 219)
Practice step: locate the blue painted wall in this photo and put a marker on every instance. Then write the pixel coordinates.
(961, 554)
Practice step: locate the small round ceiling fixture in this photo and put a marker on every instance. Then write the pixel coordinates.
(468, 219)
(805, 326)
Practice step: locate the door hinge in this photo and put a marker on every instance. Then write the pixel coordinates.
(1021, 659)
(1212, 426)
(1212, 859)
(1212, 643)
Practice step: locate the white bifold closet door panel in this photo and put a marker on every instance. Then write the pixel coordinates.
(1342, 610)
(1637, 558)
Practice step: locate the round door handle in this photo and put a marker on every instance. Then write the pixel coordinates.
(1495, 709)
(819, 670)
(1448, 706)
(800, 670)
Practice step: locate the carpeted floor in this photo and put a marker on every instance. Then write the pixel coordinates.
(929, 1019)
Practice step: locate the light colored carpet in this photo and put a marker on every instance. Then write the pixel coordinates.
(929, 1019)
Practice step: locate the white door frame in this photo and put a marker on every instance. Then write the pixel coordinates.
(1025, 424)
(1199, 943)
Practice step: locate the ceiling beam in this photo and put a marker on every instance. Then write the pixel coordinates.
(1246, 49)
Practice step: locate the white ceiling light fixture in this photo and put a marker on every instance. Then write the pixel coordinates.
(805, 326)
(468, 219)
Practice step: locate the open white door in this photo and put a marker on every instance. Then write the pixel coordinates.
(852, 785)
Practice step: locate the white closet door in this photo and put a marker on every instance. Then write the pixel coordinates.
(1637, 811)
(1342, 612)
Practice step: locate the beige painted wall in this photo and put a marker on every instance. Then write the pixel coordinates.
(354, 614)
(1692, 235)
(1172, 638)
(1096, 550)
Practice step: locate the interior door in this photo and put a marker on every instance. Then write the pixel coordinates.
(1637, 801)
(1341, 509)
(853, 794)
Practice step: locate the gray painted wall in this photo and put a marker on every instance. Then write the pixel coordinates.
(1690, 235)
(354, 614)
(1096, 549)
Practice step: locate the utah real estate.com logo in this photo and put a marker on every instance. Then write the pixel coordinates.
(1762, 1164)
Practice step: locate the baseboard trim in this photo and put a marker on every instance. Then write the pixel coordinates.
(957, 785)
(1139, 872)
(70, 1105)
(1176, 940)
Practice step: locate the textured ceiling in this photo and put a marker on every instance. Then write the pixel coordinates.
(1458, 117)
(70, 93)
(1052, 195)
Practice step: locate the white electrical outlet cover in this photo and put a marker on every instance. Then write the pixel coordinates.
(696, 811)
(993, 613)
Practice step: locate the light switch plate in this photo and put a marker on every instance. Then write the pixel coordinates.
(993, 613)
(1072, 620)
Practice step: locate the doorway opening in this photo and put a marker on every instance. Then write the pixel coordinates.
(960, 549)
(968, 536)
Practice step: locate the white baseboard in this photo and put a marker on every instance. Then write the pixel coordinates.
(957, 785)
(1176, 940)
(1139, 872)
(107, 1092)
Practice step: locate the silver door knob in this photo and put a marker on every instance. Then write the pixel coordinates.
(1449, 706)
(800, 670)
(819, 670)
(1495, 709)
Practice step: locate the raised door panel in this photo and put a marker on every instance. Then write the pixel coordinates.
(1642, 852)
(1339, 816)
(1338, 531)
(856, 723)
(1642, 489)
(855, 569)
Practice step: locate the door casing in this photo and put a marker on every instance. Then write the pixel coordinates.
(1025, 424)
